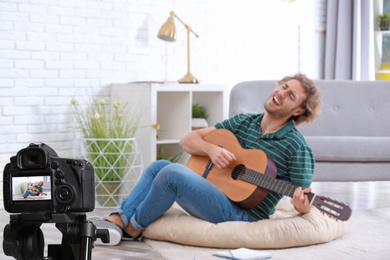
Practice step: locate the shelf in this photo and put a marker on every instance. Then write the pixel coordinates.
(387, 32)
(170, 106)
(168, 141)
(382, 71)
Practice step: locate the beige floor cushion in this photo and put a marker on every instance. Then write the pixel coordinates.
(286, 228)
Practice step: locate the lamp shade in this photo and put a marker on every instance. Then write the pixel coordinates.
(168, 31)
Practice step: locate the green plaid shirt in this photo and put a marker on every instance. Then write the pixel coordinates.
(288, 149)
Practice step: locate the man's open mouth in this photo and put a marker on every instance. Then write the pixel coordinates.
(276, 100)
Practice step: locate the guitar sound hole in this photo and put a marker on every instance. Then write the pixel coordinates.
(238, 172)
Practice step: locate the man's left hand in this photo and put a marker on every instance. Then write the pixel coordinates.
(301, 201)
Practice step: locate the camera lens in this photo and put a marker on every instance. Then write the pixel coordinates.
(64, 195)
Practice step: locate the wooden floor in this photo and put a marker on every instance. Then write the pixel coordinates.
(363, 195)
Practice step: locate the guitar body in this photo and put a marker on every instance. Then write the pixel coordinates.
(229, 181)
(35, 190)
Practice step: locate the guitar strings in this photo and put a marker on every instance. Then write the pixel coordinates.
(262, 180)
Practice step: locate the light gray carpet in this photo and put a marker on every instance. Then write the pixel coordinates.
(367, 237)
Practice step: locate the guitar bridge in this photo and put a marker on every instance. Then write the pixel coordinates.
(207, 169)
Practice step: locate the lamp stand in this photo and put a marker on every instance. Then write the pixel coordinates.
(168, 33)
(188, 78)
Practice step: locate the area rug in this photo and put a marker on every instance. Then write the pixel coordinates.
(367, 237)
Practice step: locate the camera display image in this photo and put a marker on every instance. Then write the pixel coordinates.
(29, 188)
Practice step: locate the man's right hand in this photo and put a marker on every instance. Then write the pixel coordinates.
(194, 144)
(221, 157)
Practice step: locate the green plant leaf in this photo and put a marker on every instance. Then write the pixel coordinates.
(199, 111)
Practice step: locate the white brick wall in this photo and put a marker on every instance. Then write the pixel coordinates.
(53, 50)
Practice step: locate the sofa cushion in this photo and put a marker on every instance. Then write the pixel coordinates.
(286, 228)
(350, 148)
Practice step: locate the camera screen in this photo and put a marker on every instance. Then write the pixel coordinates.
(29, 188)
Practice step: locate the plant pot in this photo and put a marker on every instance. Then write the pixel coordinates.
(199, 123)
(384, 25)
(117, 164)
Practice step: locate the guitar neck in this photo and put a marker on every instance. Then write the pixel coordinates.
(270, 183)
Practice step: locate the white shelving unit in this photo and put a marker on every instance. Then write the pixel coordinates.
(170, 106)
(378, 39)
(380, 73)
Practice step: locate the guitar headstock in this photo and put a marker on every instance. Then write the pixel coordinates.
(332, 208)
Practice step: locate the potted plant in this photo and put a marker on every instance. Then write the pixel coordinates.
(109, 144)
(22, 188)
(384, 21)
(199, 117)
(174, 158)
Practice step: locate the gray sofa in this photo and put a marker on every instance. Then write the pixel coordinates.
(351, 138)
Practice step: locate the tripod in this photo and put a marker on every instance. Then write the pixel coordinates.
(23, 238)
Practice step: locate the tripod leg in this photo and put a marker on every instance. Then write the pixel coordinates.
(86, 248)
(88, 235)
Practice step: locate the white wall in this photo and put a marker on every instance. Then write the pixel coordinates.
(53, 50)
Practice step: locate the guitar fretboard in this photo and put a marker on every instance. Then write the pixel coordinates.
(270, 183)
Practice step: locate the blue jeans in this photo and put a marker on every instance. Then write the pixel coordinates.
(29, 192)
(162, 183)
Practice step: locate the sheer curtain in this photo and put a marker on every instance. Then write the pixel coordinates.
(349, 46)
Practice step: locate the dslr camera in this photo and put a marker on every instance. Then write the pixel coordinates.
(43, 188)
(37, 180)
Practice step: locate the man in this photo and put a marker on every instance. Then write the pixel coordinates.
(34, 190)
(295, 100)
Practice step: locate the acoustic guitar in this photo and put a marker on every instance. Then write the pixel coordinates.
(249, 178)
(35, 190)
